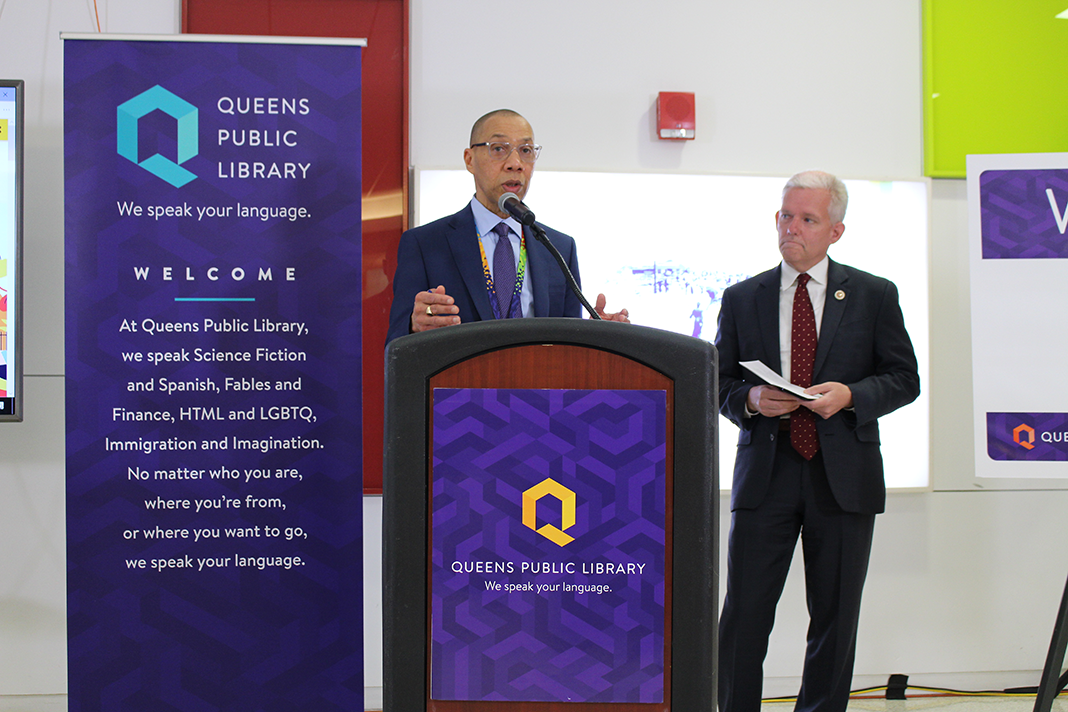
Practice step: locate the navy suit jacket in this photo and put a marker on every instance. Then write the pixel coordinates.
(862, 343)
(446, 252)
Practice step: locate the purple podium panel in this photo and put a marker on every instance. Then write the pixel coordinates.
(1034, 437)
(548, 545)
(214, 531)
(1024, 213)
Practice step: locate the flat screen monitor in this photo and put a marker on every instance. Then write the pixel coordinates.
(12, 99)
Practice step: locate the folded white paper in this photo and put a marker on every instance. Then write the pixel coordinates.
(765, 374)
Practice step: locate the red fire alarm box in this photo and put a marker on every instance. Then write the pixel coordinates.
(675, 115)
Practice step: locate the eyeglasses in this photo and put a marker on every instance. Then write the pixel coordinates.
(527, 152)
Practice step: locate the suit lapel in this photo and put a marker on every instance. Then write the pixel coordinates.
(539, 262)
(833, 309)
(768, 317)
(463, 242)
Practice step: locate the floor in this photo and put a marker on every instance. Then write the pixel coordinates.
(918, 703)
(921, 703)
(33, 703)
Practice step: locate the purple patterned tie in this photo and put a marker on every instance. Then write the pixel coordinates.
(803, 435)
(503, 269)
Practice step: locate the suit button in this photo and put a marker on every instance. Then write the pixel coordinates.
(772, 436)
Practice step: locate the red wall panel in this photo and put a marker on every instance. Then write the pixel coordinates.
(385, 150)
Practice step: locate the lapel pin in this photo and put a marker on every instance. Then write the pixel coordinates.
(839, 295)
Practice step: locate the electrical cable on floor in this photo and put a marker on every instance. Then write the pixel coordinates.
(896, 686)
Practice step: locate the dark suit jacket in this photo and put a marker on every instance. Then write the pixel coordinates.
(446, 252)
(862, 343)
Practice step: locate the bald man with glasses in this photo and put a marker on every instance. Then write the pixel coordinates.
(480, 263)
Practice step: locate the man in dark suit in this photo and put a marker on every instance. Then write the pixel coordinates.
(806, 467)
(451, 271)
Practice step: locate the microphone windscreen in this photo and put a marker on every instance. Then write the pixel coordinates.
(504, 199)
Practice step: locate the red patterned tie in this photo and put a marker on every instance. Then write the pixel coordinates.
(802, 356)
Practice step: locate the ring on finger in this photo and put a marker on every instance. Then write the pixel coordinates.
(429, 311)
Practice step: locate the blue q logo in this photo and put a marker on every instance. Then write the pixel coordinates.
(181, 111)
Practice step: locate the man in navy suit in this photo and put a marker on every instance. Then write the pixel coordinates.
(806, 467)
(446, 270)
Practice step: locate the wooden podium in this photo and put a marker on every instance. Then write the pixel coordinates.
(554, 356)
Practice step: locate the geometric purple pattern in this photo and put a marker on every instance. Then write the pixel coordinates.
(1018, 221)
(515, 615)
(1027, 436)
(279, 625)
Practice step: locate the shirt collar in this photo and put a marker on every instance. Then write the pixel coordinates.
(485, 221)
(818, 273)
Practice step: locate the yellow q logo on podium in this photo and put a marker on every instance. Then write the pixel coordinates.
(549, 487)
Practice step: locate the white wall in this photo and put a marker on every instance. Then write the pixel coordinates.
(780, 86)
(964, 585)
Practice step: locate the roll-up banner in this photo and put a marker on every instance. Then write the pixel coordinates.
(1018, 215)
(214, 521)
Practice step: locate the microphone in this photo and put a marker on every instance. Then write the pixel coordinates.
(511, 204)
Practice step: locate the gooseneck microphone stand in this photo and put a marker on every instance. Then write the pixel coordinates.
(510, 203)
(539, 233)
